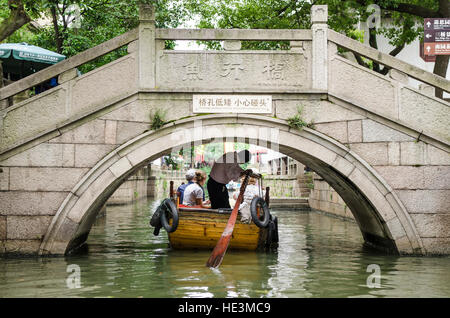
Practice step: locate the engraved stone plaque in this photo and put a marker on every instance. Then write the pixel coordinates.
(251, 104)
(263, 70)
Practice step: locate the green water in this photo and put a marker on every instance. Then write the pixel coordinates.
(319, 256)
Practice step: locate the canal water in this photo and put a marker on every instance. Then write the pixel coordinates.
(318, 256)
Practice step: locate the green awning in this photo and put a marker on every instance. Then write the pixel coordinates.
(21, 59)
(27, 52)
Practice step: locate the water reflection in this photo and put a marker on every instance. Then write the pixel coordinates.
(319, 256)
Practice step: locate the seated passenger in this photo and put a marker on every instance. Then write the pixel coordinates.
(190, 175)
(193, 194)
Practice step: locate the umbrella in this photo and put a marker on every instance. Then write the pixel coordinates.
(22, 59)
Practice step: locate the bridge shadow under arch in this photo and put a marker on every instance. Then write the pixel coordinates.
(383, 220)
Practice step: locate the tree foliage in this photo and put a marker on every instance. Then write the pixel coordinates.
(102, 20)
(99, 21)
(16, 13)
(344, 16)
(406, 19)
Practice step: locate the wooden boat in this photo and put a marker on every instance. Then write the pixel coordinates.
(200, 228)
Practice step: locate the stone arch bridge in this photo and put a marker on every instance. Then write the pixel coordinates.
(380, 143)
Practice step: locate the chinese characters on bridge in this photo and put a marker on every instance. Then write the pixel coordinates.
(260, 104)
(284, 70)
(272, 71)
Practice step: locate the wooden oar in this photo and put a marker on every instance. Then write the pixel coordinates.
(221, 247)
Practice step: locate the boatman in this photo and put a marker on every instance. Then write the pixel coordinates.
(225, 169)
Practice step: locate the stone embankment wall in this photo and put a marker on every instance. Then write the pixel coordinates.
(280, 186)
(155, 183)
(159, 182)
(325, 199)
(146, 183)
(287, 186)
(133, 189)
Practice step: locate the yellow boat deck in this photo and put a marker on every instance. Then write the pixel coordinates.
(202, 230)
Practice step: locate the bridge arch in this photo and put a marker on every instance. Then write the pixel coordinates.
(382, 218)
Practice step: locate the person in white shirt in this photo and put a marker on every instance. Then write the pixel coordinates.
(225, 169)
(252, 190)
(194, 193)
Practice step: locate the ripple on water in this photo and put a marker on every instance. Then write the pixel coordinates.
(318, 256)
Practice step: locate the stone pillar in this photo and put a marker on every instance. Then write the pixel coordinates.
(4, 103)
(427, 89)
(230, 45)
(399, 76)
(319, 18)
(146, 47)
(67, 75)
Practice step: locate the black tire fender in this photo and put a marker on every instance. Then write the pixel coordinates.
(168, 207)
(275, 238)
(253, 211)
(155, 221)
(272, 234)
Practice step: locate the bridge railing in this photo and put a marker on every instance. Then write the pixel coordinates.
(160, 34)
(66, 65)
(388, 60)
(234, 34)
(319, 35)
